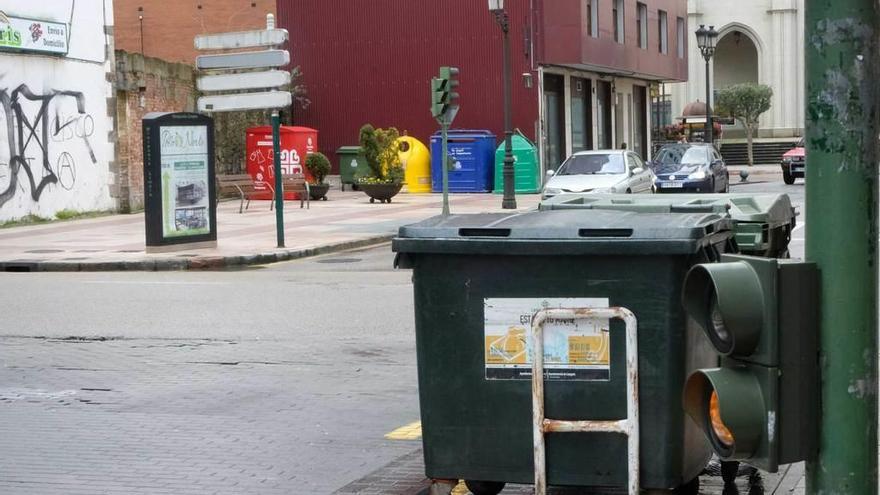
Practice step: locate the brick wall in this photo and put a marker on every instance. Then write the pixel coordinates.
(167, 27)
(144, 85)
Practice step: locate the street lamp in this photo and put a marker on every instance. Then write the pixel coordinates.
(706, 41)
(496, 7)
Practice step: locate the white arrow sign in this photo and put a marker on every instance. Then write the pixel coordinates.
(244, 60)
(245, 80)
(241, 39)
(245, 101)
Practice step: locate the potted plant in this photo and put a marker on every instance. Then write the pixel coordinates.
(381, 150)
(319, 166)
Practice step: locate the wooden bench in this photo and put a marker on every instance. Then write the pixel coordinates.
(244, 187)
(297, 183)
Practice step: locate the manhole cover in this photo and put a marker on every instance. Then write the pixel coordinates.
(88, 251)
(339, 260)
(187, 255)
(44, 251)
(130, 251)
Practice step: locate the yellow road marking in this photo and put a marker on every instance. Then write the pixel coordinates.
(412, 431)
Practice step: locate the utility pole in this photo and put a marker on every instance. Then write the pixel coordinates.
(842, 186)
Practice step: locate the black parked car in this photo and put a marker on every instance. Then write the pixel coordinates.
(690, 167)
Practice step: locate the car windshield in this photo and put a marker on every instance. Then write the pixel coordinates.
(684, 159)
(593, 164)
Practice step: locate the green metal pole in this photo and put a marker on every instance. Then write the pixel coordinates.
(279, 192)
(842, 149)
(444, 127)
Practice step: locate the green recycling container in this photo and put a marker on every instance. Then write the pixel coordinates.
(352, 165)
(478, 279)
(763, 223)
(527, 173)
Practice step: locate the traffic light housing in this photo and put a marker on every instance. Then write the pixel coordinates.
(760, 405)
(444, 98)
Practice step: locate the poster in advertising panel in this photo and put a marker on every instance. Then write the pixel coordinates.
(185, 180)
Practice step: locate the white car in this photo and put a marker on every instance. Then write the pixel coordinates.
(600, 171)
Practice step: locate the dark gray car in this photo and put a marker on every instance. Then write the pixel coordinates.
(690, 167)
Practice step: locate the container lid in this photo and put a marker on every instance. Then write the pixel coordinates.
(348, 149)
(771, 209)
(565, 232)
(481, 133)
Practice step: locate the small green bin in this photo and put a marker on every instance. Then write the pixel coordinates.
(763, 222)
(527, 173)
(352, 165)
(478, 277)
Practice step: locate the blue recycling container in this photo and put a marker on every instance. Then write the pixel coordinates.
(473, 155)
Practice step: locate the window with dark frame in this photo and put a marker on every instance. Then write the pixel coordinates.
(642, 25)
(618, 21)
(663, 26)
(591, 7)
(680, 41)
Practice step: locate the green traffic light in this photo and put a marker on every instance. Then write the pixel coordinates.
(759, 314)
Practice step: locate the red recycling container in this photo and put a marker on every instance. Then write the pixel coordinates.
(296, 144)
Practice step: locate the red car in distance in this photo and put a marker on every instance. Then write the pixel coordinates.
(794, 163)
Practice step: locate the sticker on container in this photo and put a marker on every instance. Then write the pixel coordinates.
(573, 349)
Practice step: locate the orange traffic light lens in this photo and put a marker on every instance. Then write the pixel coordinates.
(718, 427)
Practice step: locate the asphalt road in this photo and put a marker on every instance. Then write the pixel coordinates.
(281, 379)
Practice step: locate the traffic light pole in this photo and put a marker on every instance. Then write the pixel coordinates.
(842, 187)
(444, 128)
(279, 192)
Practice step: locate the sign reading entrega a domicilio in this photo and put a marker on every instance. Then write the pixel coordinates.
(32, 35)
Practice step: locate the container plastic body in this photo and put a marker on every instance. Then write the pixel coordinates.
(416, 160)
(472, 156)
(352, 165)
(296, 144)
(527, 173)
(763, 223)
(476, 413)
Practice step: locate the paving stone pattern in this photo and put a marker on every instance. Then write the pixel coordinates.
(194, 417)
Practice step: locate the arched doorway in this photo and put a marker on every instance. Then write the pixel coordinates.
(736, 60)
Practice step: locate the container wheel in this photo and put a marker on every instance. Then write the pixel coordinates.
(729, 470)
(787, 177)
(324, 198)
(692, 487)
(372, 200)
(484, 487)
(388, 200)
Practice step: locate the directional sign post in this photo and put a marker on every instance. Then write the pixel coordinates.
(266, 80)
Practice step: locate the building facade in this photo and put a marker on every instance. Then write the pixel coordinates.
(165, 29)
(581, 68)
(759, 41)
(57, 142)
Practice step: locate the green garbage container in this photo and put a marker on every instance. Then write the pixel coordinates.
(477, 281)
(352, 165)
(527, 173)
(763, 222)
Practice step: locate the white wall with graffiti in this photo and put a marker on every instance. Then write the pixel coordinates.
(55, 133)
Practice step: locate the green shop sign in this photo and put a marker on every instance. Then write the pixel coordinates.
(32, 35)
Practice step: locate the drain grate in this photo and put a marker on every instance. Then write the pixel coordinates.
(339, 260)
(45, 251)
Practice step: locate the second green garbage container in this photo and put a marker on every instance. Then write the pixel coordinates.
(352, 165)
(478, 279)
(527, 173)
(763, 222)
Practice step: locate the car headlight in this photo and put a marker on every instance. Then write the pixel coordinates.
(698, 175)
(786, 159)
(552, 190)
(603, 190)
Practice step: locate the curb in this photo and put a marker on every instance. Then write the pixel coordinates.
(205, 263)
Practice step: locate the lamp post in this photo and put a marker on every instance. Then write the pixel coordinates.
(496, 7)
(706, 41)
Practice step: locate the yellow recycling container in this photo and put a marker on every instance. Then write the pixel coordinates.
(416, 160)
